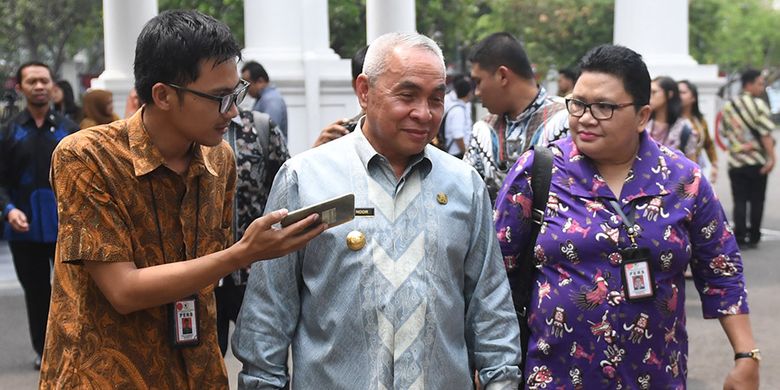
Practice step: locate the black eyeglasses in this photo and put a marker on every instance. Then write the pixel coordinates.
(225, 101)
(599, 110)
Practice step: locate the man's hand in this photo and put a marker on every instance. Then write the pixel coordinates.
(18, 221)
(333, 131)
(768, 166)
(744, 376)
(262, 241)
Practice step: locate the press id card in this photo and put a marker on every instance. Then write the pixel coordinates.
(184, 322)
(638, 281)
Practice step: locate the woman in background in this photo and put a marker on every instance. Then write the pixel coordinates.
(689, 96)
(667, 126)
(65, 101)
(98, 108)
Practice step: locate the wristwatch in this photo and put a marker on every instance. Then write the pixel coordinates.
(753, 354)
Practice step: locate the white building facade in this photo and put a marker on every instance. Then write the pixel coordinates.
(291, 39)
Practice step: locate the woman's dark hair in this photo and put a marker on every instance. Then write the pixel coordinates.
(502, 49)
(623, 63)
(173, 45)
(673, 102)
(695, 106)
(68, 105)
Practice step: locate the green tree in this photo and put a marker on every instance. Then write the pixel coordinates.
(39, 30)
(736, 34)
(446, 21)
(347, 22)
(556, 33)
(230, 12)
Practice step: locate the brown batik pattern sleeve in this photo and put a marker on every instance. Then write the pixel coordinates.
(230, 194)
(92, 226)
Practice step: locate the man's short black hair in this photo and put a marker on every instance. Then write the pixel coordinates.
(749, 76)
(570, 73)
(462, 86)
(173, 45)
(27, 65)
(256, 71)
(357, 62)
(623, 63)
(502, 49)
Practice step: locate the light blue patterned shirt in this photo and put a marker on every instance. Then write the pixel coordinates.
(424, 303)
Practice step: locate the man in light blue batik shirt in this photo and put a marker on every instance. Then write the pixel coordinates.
(417, 297)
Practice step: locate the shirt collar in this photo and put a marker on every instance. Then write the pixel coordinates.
(369, 155)
(538, 101)
(201, 162)
(25, 117)
(268, 89)
(146, 156)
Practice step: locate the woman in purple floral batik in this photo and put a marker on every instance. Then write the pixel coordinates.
(625, 216)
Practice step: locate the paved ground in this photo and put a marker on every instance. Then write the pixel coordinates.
(710, 353)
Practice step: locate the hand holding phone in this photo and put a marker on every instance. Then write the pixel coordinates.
(332, 212)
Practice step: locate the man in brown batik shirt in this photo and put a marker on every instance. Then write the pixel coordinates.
(145, 207)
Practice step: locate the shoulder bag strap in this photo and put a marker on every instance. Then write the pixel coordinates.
(262, 123)
(522, 278)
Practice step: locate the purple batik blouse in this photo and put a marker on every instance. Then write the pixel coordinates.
(585, 333)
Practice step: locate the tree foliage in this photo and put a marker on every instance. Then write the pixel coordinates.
(732, 34)
(347, 21)
(735, 34)
(556, 33)
(231, 12)
(47, 31)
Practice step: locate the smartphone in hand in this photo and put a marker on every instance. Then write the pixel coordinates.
(333, 212)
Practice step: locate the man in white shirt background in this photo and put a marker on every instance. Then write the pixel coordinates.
(457, 117)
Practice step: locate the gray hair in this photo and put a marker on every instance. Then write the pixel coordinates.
(379, 51)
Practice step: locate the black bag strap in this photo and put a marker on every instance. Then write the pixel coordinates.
(753, 131)
(541, 176)
(522, 277)
(442, 135)
(684, 137)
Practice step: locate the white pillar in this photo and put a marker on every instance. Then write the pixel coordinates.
(291, 40)
(122, 23)
(659, 27)
(658, 30)
(384, 16)
(273, 28)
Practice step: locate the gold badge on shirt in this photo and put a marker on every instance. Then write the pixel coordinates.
(356, 240)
